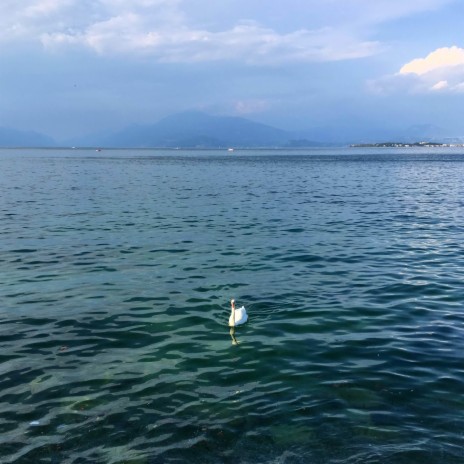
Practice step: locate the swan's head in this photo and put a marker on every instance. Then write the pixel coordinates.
(232, 302)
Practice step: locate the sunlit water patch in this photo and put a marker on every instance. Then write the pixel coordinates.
(117, 271)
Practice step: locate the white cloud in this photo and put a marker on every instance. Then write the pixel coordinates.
(330, 31)
(442, 71)
(43, 7)
(247, 41)
(438, 59)
(459, 87)
(441, 85)
(160, 29)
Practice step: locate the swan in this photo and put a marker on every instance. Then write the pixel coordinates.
(237, 316)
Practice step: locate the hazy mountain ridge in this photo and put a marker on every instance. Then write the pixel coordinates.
(200, 130)
(195, 129)
(18, 138)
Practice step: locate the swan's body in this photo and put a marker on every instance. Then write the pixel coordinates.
(238, 315)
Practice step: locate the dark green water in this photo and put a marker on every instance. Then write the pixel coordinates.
(116, 273)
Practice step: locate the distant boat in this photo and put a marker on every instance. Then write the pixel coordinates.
(230, 149)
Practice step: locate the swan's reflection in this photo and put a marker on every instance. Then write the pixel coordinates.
(232, 335)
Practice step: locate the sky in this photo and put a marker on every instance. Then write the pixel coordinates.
(74, 67)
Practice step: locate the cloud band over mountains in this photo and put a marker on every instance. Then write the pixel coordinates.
(161, 29)
(77, 66)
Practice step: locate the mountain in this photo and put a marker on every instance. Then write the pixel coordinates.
(17, 138)
(200, 130)
(196, 129)
(424, 132)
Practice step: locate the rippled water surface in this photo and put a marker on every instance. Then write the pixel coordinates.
(116, 273)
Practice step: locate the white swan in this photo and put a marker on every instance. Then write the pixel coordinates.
(237, 316)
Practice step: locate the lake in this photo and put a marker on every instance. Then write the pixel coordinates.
(117, 269)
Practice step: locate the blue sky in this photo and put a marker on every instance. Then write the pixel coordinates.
(75, 67)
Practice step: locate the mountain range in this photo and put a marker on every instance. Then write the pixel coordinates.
(196, 129)
(17, 138)
(200, 130)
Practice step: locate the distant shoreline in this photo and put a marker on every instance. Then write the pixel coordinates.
(242, 148)
(219, 148)
(405, 145)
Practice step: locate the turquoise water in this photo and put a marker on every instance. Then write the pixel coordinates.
(117, 269)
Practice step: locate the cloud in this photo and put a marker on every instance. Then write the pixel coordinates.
(251, 106)
(442, 70)
(439, 59)
(441, 85)
(161, 30)
(246, 41)
(370, 12)
(189, 31)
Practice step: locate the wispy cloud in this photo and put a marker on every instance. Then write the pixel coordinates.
(160, 29)
(251, 106)
(368, 12)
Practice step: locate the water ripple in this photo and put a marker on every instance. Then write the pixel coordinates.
(116, 276)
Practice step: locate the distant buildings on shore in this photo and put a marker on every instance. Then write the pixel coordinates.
(405, 145)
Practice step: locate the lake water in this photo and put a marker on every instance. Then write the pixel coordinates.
(117, 269)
